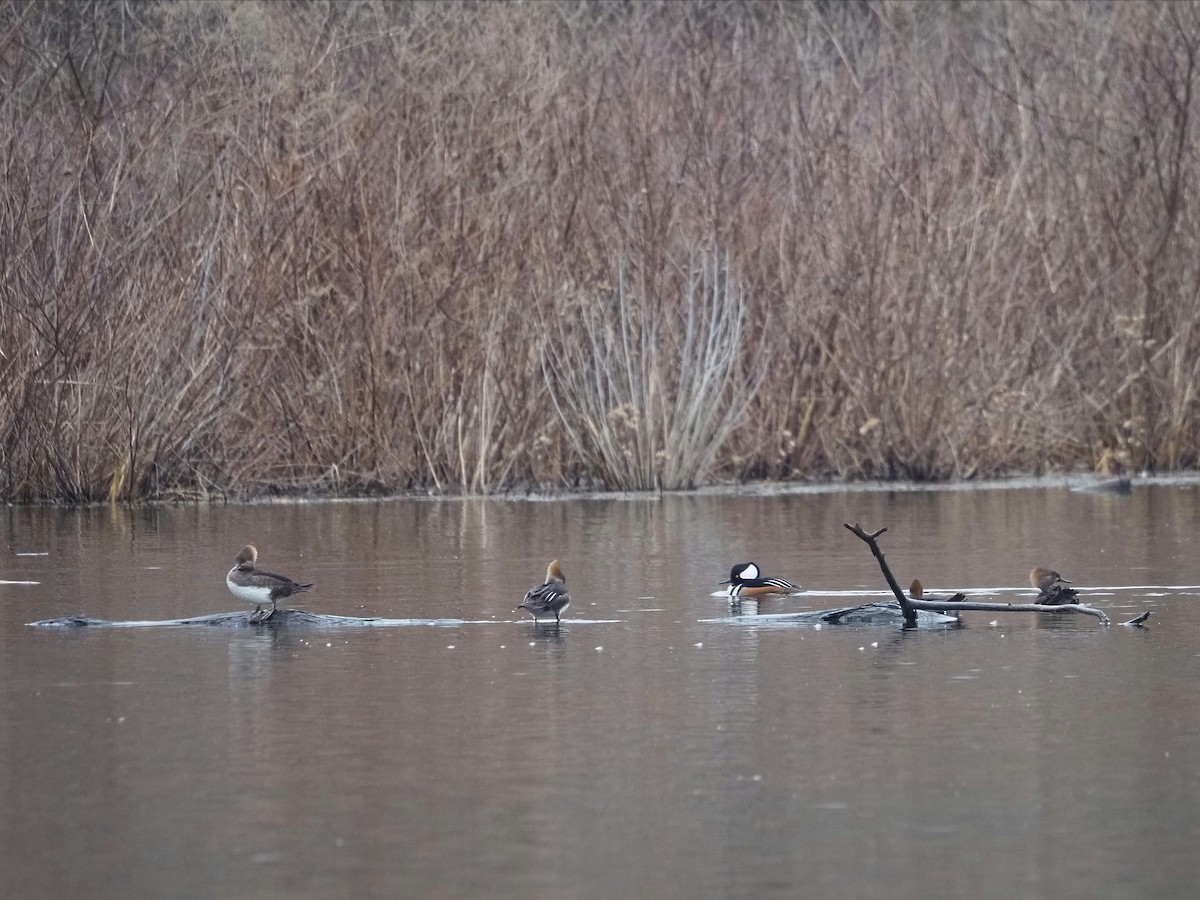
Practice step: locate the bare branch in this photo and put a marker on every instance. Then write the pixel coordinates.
(954, 606)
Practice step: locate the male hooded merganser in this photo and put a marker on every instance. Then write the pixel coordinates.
(550, 598)
(1052, 588)
(917, 591)
(746, 581)
(258, 588)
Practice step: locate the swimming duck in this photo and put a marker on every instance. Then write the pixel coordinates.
(258, 588)
(746, 581)
(917, 591)
(1052, 588)
(550, 597)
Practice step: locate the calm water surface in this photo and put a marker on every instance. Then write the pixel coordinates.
(637, 751)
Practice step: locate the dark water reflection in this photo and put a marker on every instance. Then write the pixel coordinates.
(639, 752)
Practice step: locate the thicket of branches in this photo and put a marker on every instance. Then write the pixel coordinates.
(368, 246)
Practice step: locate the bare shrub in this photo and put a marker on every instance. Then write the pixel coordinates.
(356, 247)
(649, 388)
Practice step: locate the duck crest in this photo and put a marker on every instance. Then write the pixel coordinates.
(746, 580)
(247, 557)
(549, 598)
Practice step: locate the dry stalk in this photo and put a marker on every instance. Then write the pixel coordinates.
(261, 247)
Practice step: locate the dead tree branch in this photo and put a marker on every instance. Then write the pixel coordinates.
(947, 606)
(906, 605)
(910, 606)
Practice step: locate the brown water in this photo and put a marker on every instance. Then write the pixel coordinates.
(637, 751)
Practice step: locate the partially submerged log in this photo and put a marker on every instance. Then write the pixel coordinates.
(1012, 607)
(863, 614)
(910, 606)
(283, 618)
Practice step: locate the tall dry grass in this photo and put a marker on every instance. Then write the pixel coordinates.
(363, 246)
(647, 392)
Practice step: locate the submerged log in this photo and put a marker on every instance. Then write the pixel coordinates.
(283, 618)
(1012, 607)
(910, 606)
(863, 614)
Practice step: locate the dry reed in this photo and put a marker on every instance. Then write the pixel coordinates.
(370, 247)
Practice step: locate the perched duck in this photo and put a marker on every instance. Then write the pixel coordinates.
(917, 591)
(549, 598)
(1052, 588)
(746, 581)
(258, 588)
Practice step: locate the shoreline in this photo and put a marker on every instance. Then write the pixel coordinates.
(1080, 482)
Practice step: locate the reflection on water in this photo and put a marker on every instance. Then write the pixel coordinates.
(639, 748)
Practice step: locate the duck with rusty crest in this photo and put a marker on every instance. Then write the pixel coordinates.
(745, 580)
(1052, 588)
(549, 598)
(916, 590)
(257, 588)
